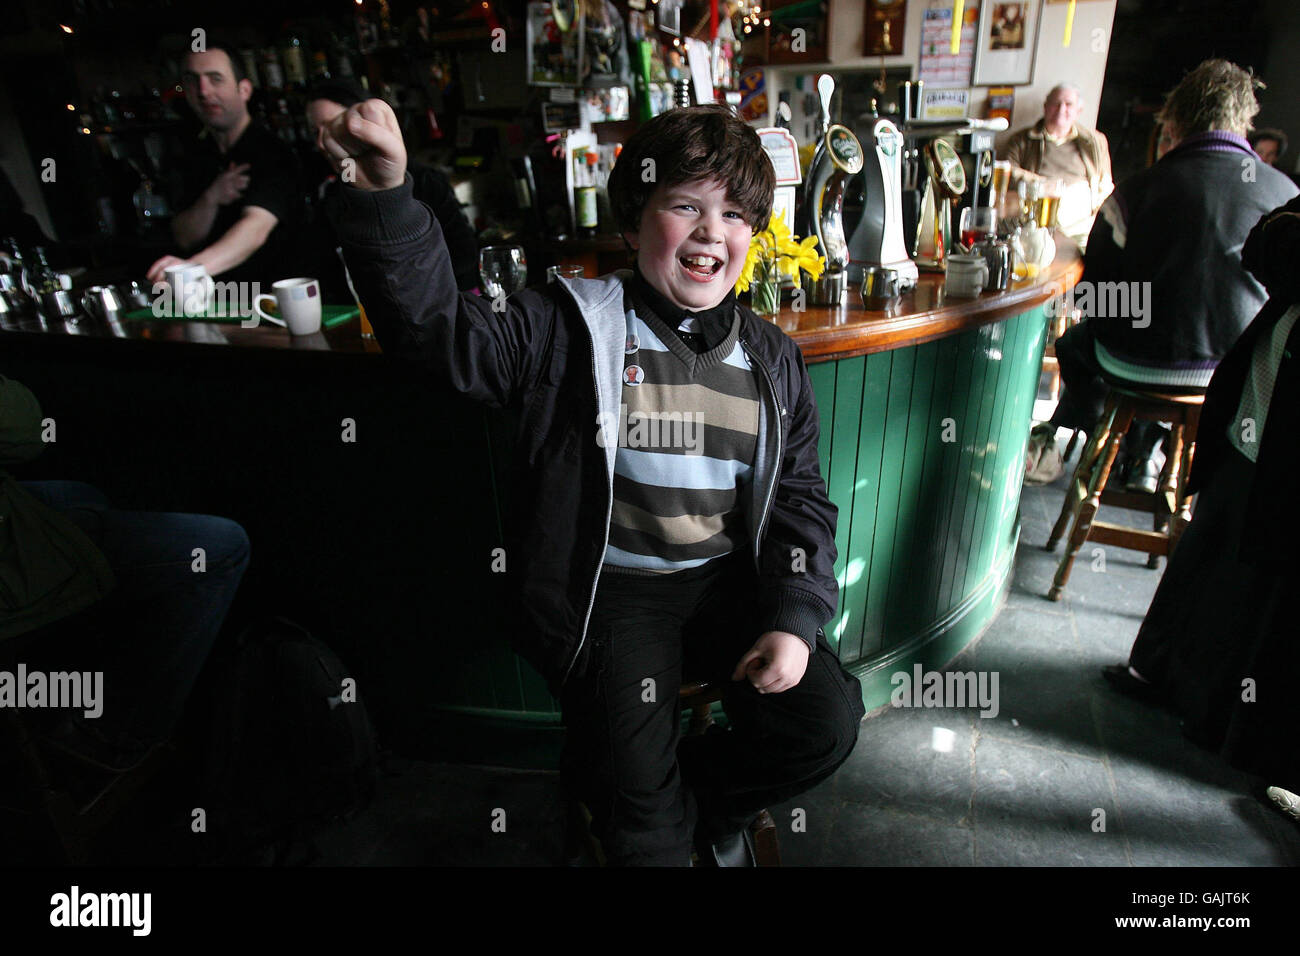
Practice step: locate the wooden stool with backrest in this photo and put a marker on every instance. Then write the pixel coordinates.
(698, 697)
(1170, 505)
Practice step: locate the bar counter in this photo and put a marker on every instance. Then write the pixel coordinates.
(374, 498)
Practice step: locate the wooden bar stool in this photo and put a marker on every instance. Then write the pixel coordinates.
(698, 697)
(1170, 505)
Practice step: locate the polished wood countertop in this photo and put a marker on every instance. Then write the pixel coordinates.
(923, 314)
(822, 333)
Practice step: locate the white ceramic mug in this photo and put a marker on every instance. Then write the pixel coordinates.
(192, 288)
(299, 304)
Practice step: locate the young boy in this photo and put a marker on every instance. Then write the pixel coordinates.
(667, 456)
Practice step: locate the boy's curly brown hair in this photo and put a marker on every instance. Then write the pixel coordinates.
(690, 143)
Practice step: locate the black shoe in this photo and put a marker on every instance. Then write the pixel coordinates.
(1118, 676)
(737, 849)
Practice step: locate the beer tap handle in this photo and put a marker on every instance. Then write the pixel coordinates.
(825, 90)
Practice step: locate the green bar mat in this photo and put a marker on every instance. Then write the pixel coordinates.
(330, 316)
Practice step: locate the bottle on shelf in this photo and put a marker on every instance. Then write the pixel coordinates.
(272, 74)
(584, 195)
(295, 67)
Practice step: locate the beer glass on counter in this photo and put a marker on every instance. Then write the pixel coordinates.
(1001, 178)
(1048, 203)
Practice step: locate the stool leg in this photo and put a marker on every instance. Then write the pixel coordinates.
(1183, 516)
(1167, 491)
(1082, 472)
(1121, 418)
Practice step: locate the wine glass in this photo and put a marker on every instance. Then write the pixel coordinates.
(504, 270)
(976, 223)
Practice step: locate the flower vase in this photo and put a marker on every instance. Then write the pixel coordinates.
(765, 288)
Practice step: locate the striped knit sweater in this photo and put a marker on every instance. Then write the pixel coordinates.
(687, 436)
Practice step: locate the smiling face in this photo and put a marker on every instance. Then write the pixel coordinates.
(691, 243)
(1060, 111)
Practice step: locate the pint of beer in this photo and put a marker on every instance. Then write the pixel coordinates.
(1001, 176)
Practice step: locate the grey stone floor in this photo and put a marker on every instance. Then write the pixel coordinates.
(934, 787)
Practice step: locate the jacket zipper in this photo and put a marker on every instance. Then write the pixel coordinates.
(609, 512)
(780, 452)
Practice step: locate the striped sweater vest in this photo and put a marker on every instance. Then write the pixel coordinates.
(687, 436)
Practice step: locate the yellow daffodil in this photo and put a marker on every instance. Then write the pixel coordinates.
(777, 248)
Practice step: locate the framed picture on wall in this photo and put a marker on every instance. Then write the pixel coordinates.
(1005, 43)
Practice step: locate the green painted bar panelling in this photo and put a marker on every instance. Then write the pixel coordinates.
(961, 359)
(1006, 426)
(879, 613)
(990, 491)
(846, 628)
(866, 491)
(967, 428)
(822, 377)
(978, 490)
(941, 465)
(916, 503)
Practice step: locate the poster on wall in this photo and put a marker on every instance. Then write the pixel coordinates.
(1008, 38)
(945, 104)
(940, 68)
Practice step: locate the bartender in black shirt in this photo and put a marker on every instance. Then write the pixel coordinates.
(241, 183)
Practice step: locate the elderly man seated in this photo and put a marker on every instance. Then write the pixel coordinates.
(1057, 147)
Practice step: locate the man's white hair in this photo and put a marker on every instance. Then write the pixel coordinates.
(1059, 87)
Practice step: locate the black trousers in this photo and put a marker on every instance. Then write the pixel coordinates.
(647, 788)
(1083, 392)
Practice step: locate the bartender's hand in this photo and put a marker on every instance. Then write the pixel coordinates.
(155, 273)
(366, 133)
(776, 662)
(230, 185)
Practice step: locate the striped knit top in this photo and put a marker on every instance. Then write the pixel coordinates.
(687, 436)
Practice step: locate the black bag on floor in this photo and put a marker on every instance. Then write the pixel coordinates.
(292, 747)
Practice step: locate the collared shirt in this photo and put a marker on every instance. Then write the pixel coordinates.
(273, 185)
(701, 330)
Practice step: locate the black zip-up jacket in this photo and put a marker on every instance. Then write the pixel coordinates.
(556, 355)
(1180, 226)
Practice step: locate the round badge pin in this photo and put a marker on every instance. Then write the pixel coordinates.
(632, 344)
(633, 375)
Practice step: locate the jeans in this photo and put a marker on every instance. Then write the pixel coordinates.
(162, 617)
(649, 793)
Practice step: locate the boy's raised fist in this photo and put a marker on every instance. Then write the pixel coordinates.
(367, 143)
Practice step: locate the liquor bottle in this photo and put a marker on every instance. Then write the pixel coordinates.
(272, 75)
(341, 56)
(584, 196)
(45, 279)
(295, 69)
